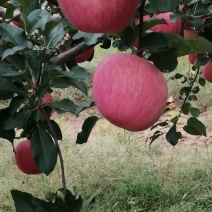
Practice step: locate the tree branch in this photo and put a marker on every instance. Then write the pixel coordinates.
(71, 53)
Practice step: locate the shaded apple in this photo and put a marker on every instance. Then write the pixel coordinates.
(190, 34)
(99, 16)
(207, 71)
(47, 99)
(24, 159)
(86, 55)
(172, 27)
(16, 23)
(129, 91)
(192, 58)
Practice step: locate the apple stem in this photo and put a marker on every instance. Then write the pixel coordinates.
(141, 24)
(71, 53)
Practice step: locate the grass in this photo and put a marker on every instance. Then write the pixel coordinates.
(133, 176)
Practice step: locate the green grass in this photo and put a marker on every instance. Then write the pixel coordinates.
(133, 176)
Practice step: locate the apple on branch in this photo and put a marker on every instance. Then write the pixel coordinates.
(129, 91)
(24, 159)
(99, 16)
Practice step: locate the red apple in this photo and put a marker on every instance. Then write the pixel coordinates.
(99, 16)
(84, 56)
(192, 58)
(207, 71)
(24, 158)
(47, 99)
(17, 23)
(129, 91)
(190, 34)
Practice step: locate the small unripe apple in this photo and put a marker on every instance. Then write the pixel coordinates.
(192, 58)
(86, 55)
(24, 158)
(129, 91)
(99, 16)
(207, 71)
(190, 34)
(17, 20)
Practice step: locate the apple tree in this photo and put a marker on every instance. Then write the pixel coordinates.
(41, 46)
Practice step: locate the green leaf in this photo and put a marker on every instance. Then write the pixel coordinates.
(185, 47)
(165, 5)
(83, 107)
(89, 38)
(14, 50)
(195, 127)
(152, 22)
(165, 60)
(127, 36)
(55, 36)
(44, 150)
(194, 111)
(15, 35)
(19, 120)
(22, 201)
(28, 5)
(161, 124)
(186, 108)
(8, 86)
(156, 135)
(15, 104)
(87, 127)
(173, 136)
(195, 90)
(155, 42)
(64, 106)
(56, 128)
(202, 82)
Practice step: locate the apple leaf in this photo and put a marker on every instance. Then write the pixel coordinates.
(64, 106)
(173, 136)
(165, 60)
(19, 120)
(44, 150)
(87, 127)
(14, 50)
(165, 5)
(194, 111)
(83, 106)
(23, 201)
(155, 42)
(195, 127)
(89, 38)
(156, 135)
(56, 35)
(56, 128)
(14, 35)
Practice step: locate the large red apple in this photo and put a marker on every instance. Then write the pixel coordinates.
(172, 27)
(99, 16)
(84, 56)
(24, 158)
(129, 91)
(207, 71)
